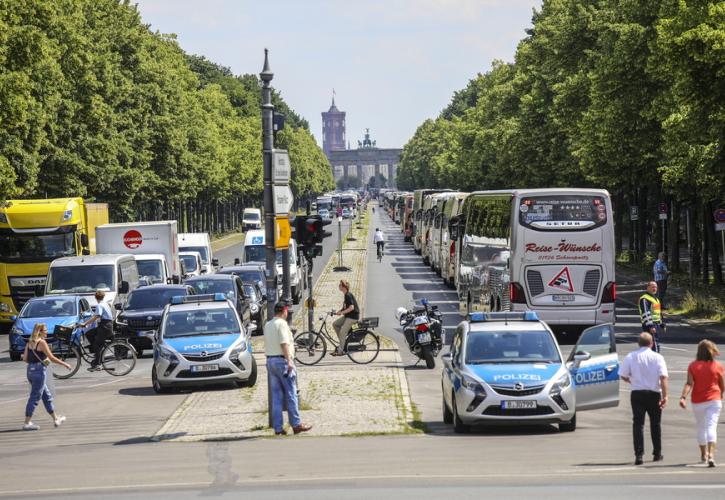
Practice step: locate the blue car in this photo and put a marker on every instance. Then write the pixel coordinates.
(63, 310)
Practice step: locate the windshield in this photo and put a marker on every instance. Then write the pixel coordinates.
(49, 308)
(511, 347)
(202, 251)
(562, 212)
(152, 298)
(476, 255)
(35, 248)
(152, 269)
(324, 204)
(194, 323)
(255, 253)
(204, 287)
(347, 201)
(190, 263)
(251, 216)
(81, 279)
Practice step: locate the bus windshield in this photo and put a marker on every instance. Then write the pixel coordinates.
(562, 213)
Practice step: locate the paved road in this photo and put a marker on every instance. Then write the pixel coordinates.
(104, 450)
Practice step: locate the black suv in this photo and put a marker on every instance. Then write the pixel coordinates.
(141, 312)
(228, 284)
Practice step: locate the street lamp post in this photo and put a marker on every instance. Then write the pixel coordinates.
(267, 146)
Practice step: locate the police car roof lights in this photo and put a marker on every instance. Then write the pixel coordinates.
(481, 317)
(192, 299)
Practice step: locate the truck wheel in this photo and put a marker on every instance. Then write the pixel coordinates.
(15, 356)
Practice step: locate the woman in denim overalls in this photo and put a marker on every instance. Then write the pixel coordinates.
(38, 356)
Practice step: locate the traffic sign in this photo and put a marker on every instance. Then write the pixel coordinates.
(719, 215)
(662, 207)
(633, 213)
(282, 232)
(281, 167)
(283, 200)
(663, 216)
(720, 226)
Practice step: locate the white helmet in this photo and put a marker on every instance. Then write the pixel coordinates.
(399, 312)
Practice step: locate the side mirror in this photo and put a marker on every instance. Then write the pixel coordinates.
(237, 261)
(86, 314)
(39, 290)
(13, 318)
(215, 262)
(123, 288)
(117, 306)
(176, 279)
(581, 356)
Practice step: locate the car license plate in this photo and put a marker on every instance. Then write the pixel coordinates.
(563, 298)
(146, 333)
(424, 338)
(518, 405)
(204, 368)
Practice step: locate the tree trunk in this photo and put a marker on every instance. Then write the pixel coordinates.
(705, 220)
(674, 236)
(714, 243)
(618, 221)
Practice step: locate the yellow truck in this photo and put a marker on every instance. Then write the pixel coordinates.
(32, 234)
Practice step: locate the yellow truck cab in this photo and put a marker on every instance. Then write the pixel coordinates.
(35, 232)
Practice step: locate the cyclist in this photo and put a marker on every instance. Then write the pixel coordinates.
(379, 240)
(104, 331)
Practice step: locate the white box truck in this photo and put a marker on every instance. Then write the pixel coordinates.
(154, 245)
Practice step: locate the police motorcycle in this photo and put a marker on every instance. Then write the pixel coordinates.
(422, 328)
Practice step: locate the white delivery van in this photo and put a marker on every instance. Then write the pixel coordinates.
(154, 244)
(254, 252)
(251, 219)
(199, 242)
(191, 264)
(115, 274)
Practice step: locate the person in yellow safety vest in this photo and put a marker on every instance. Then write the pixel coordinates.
(650, 313)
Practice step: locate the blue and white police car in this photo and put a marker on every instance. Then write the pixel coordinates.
(507, 368)
(201, 340)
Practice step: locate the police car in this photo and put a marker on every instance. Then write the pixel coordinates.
(200, 341)
(507, 368)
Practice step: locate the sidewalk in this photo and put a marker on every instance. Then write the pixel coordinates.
(337, 396)
(631, 284)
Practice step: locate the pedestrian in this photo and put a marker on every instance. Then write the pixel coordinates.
(350, 314)
(661, 274)
(379, 240)
(650, 313)
(280, 351)
(645, 370)
(38, 356)
(706, 387)
(104, 331)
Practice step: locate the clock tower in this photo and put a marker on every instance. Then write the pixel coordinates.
(333, 129)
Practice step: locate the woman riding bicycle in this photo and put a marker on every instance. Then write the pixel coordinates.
(350, 313)
(379, 240)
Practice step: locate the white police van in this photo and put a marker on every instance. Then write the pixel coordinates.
(201, 340)
(507, 368)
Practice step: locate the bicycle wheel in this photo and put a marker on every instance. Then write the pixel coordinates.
(71, 354)
(118, 358)
(362, 346)
(310, 348)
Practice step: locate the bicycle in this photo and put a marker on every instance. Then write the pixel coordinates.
(362, 345)
(118, 356)
(381, 250)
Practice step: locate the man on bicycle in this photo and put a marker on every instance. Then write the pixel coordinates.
(379, 240)
(104, 331)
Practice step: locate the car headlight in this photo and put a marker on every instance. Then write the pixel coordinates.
(16, 331)
(562, 383)
(167, 354)
(4, 307)
(237, 350)
(473, 385)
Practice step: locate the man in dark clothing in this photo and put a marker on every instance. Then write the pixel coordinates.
(350, 314)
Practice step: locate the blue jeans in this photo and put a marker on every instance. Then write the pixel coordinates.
(283, 389)
(38, 389)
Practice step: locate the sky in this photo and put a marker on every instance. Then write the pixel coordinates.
(391, 63)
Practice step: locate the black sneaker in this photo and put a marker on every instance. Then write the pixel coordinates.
(94, 369)
(658, 458)
(638, 460)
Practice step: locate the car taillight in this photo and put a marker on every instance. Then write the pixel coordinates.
(609, 294)
(422, 327)
(516, 292)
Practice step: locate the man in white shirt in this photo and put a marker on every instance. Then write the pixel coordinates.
(280, 350)
(104, 331)
(646, 371)
(379, 240)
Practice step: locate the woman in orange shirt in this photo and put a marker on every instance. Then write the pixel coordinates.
(706, 385)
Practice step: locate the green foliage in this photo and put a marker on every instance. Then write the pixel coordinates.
(93, 104)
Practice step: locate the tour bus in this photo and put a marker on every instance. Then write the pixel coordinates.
(548, 250)
(448, 244)
(419, 196)
(407, 223)
(324, 203)
(439, 229)
(432, 204)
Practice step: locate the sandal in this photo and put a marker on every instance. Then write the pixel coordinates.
(337, 353)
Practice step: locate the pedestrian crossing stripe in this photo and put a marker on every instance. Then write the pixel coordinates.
(562, 281)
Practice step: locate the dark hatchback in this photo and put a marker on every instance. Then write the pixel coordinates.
(252, 272)
(141, 313)
(229, 285)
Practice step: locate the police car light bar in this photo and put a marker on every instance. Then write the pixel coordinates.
(192, 299)
(480, 317)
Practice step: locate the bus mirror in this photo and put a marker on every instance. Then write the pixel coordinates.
(453, 228)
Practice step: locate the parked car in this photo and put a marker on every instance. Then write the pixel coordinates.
(55, 310)
(202, 340)
(229, 285)
(257, 305)
(140, 315)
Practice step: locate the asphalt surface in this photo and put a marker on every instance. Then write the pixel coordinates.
(104, 451)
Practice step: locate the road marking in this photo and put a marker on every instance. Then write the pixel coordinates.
(106, 383)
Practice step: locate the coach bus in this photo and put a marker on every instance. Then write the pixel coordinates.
(548, 250)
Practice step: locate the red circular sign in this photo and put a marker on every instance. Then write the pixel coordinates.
(132, 239)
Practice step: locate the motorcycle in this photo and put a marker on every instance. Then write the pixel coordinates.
(422, 329)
